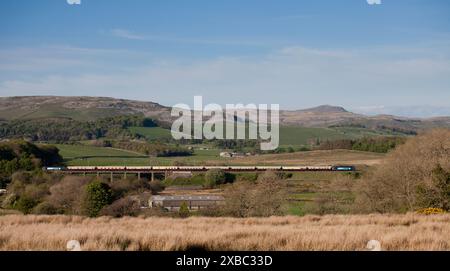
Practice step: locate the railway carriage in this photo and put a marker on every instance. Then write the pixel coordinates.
(197, 168)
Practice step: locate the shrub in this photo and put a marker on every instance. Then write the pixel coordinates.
(122, 207)
(214, 177)
(184, 210)
(122, 187)
(46, 208)
(264, 198)
(431, 211)
(67, 194)
(273, 175)
(97, 195)
(246, 177)
(156, 186)
(22, 155)
(9, 201)
(4, 180)
(395, 185)
(436, 193)
(25, 204)
(36, 191)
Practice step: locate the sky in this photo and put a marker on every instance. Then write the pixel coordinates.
(387, 57)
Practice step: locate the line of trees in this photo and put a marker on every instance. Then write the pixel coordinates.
(18, 155)
(73, 195)
(414, 176)
(369, 144)
(155, 149)
(61, 130)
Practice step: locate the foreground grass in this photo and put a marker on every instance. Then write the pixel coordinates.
(332, 232)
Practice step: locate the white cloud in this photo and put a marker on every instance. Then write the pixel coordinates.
(126, 34)
(74, 2)
(295, 77)
(121, 33)
(374, 2)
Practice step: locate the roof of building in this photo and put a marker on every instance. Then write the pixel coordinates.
(187, 197)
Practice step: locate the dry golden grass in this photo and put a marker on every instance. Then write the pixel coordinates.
(326, 157)
(332, 232)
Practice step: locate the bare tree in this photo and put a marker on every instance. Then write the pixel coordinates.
(265, 197)
(66, 195)
(394, 185)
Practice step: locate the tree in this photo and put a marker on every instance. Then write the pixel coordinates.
(394, 186)
(97, 196)
(121, 207)
(214, 177)
(184, 210)
(436, 194)
(45, 208)
(156, 186)
(26, 204)
(67, 194)
(265, 197)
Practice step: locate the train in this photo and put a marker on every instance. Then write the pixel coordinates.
(196, 168)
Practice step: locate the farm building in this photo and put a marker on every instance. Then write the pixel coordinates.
(234, 154)
(225, 154)
(194, 202)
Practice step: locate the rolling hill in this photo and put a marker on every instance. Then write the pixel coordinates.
(91, 108)
(77, 108)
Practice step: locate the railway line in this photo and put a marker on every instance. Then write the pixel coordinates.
(150, 171)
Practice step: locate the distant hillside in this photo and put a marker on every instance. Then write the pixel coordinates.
(334, 116)
(77, 108)
(325, 109)
(92, 108)
(321, 116)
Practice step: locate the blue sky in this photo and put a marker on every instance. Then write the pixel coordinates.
(388, 58)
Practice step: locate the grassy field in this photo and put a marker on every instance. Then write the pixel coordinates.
(301, 136)
(90, 155)
(294, 136)
(81, 155)
(304, 189)
(331, 232)
(328, 157)
(151, 133)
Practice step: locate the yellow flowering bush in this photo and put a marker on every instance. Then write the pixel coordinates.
(431, 211)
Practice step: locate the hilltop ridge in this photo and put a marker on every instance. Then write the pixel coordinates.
(84, 108)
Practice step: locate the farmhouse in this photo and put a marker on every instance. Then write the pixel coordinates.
(194, 202)
(225, 154)
(234, 154)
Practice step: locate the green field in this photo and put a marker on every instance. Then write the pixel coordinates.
(200, 157)
(289, 135)
(82, 155)
(299, 136)
(151, 133)
(304, 189)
